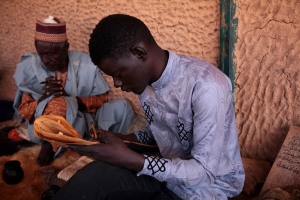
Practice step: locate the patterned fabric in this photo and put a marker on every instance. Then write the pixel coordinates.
(190, 115)
(51, 37)
(83, 80)
(148, 113)
(27, 106)
(51, 32)
(57, 106)
(94, 102)
(144, 138)
(155, 164)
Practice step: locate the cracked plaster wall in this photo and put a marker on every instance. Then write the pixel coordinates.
(187, 27)
(267, 93)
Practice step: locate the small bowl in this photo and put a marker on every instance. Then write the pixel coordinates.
(12, 172)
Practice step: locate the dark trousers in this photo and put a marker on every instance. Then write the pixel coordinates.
(99, 181)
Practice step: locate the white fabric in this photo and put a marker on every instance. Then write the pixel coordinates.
(50, 20)
(191, 116)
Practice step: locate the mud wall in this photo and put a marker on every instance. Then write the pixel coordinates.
(187, 27)
(267, 87)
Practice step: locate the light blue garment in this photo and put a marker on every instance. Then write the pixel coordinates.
(191, 117)
(84, 79)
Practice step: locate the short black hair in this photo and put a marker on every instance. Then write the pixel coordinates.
(115, 35)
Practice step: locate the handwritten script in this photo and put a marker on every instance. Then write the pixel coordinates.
(289, 156)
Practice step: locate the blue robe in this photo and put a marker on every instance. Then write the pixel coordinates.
(84, 79)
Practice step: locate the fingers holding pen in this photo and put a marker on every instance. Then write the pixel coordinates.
(102, 135)
(109, 137)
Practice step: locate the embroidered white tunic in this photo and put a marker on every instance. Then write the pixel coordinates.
(191, 117)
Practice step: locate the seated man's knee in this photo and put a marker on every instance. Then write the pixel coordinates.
(122, 106)
(115, 115)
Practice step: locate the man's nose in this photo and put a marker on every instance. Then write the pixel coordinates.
(45, 59)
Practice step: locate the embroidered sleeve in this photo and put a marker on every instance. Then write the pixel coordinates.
(145, 136)
(27, 106)
(203, 166)
(92, 103)
(156, 166)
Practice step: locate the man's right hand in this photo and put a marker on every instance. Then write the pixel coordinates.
(112, 150)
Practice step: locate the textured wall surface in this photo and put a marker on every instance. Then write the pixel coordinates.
(187, 27)
(267, 74)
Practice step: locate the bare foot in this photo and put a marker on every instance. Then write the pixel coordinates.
(46, 154)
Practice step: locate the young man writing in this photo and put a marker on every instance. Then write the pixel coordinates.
(190, 114)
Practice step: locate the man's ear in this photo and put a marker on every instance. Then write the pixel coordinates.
(139, 52)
